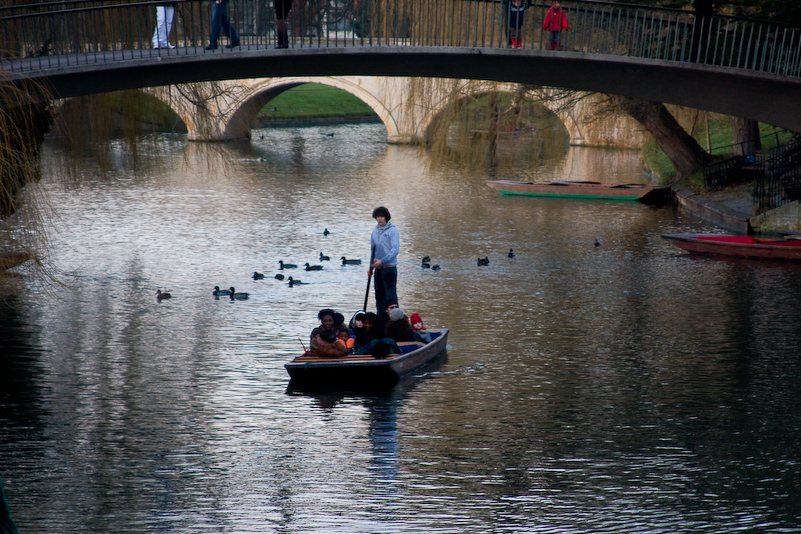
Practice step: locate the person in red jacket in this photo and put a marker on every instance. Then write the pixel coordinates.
(555, 22)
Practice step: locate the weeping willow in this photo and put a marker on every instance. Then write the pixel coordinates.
(481, 125)
(24, 120)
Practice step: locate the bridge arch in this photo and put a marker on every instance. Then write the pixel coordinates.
(478, 90)
(264, 90)
(238, 104)
(578, 115)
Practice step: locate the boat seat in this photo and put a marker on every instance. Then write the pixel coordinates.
(408, 346)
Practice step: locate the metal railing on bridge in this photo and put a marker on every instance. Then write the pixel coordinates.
(39, 36)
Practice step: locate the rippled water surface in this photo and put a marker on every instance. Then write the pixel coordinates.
(621, 388)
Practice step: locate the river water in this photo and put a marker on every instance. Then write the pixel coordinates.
(626, 387)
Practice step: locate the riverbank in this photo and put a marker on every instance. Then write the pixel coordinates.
(316, 121)
(730, 208)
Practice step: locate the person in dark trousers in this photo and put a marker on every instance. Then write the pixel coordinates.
(385, 245)
(282, 8)
(221, 23)
(704, 9)
(515, 27)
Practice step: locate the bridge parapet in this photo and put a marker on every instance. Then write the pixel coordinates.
(55, 35)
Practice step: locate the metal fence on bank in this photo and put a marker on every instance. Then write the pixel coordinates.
(779, 181)
(54, 34)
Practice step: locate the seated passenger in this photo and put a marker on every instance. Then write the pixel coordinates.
(383, 318)
(326, 345)
(339, 321)
(399, 329)
(347, 339)
(368, 332)
(356, 321)
(419, 327)
(327, 318)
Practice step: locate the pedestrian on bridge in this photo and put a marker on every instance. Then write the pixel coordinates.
(555, 22)
(164, 15)
(282, 8)
(221, 22)
(515, 30)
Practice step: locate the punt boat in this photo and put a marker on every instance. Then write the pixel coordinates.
(742, 246)
(583, 190)
(365, 369)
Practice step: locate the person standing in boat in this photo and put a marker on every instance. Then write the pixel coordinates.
(385, 245)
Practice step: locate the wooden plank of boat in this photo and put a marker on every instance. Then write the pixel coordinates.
(366, 369)
(577, 189)
(12, 259)
(739, 246)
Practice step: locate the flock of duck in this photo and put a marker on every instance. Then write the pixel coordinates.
(308, 267)
(232, 293)
(426, 262)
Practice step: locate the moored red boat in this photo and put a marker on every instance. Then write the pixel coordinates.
(742, 246)
(365, 369)
(583, 190)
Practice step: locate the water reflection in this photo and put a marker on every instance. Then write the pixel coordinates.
(623, 387)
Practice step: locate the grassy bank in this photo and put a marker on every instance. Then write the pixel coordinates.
(719, 139)
(314, 101)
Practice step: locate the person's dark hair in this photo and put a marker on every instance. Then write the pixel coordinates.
(339, 319)
(328, 335)
(381, 350)
(327, 311)
(343, 329)
(381, 211)
(371, 317)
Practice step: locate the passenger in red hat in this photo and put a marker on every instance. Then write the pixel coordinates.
(417, 323)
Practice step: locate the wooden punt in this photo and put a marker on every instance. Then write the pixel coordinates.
(583, 190)
(741, 246)
(366, 370)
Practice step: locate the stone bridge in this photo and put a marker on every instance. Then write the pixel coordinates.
(226, 110)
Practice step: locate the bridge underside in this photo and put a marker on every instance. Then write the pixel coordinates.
(767, 98)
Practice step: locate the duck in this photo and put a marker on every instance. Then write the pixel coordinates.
(162, 296)
(282, 265)
(326, 232)
(257, 276)
(483, 261)
(597, 243)
(350, 262)
(237, 296)
(425, 265)
(511, 253)
(426, 259)
(217, 291)
(323, 257)
(279, 277)
(435, 267)
(314, 267)
(293, 282)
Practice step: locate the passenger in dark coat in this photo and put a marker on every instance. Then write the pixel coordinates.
(369, 331)
(400, 329)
